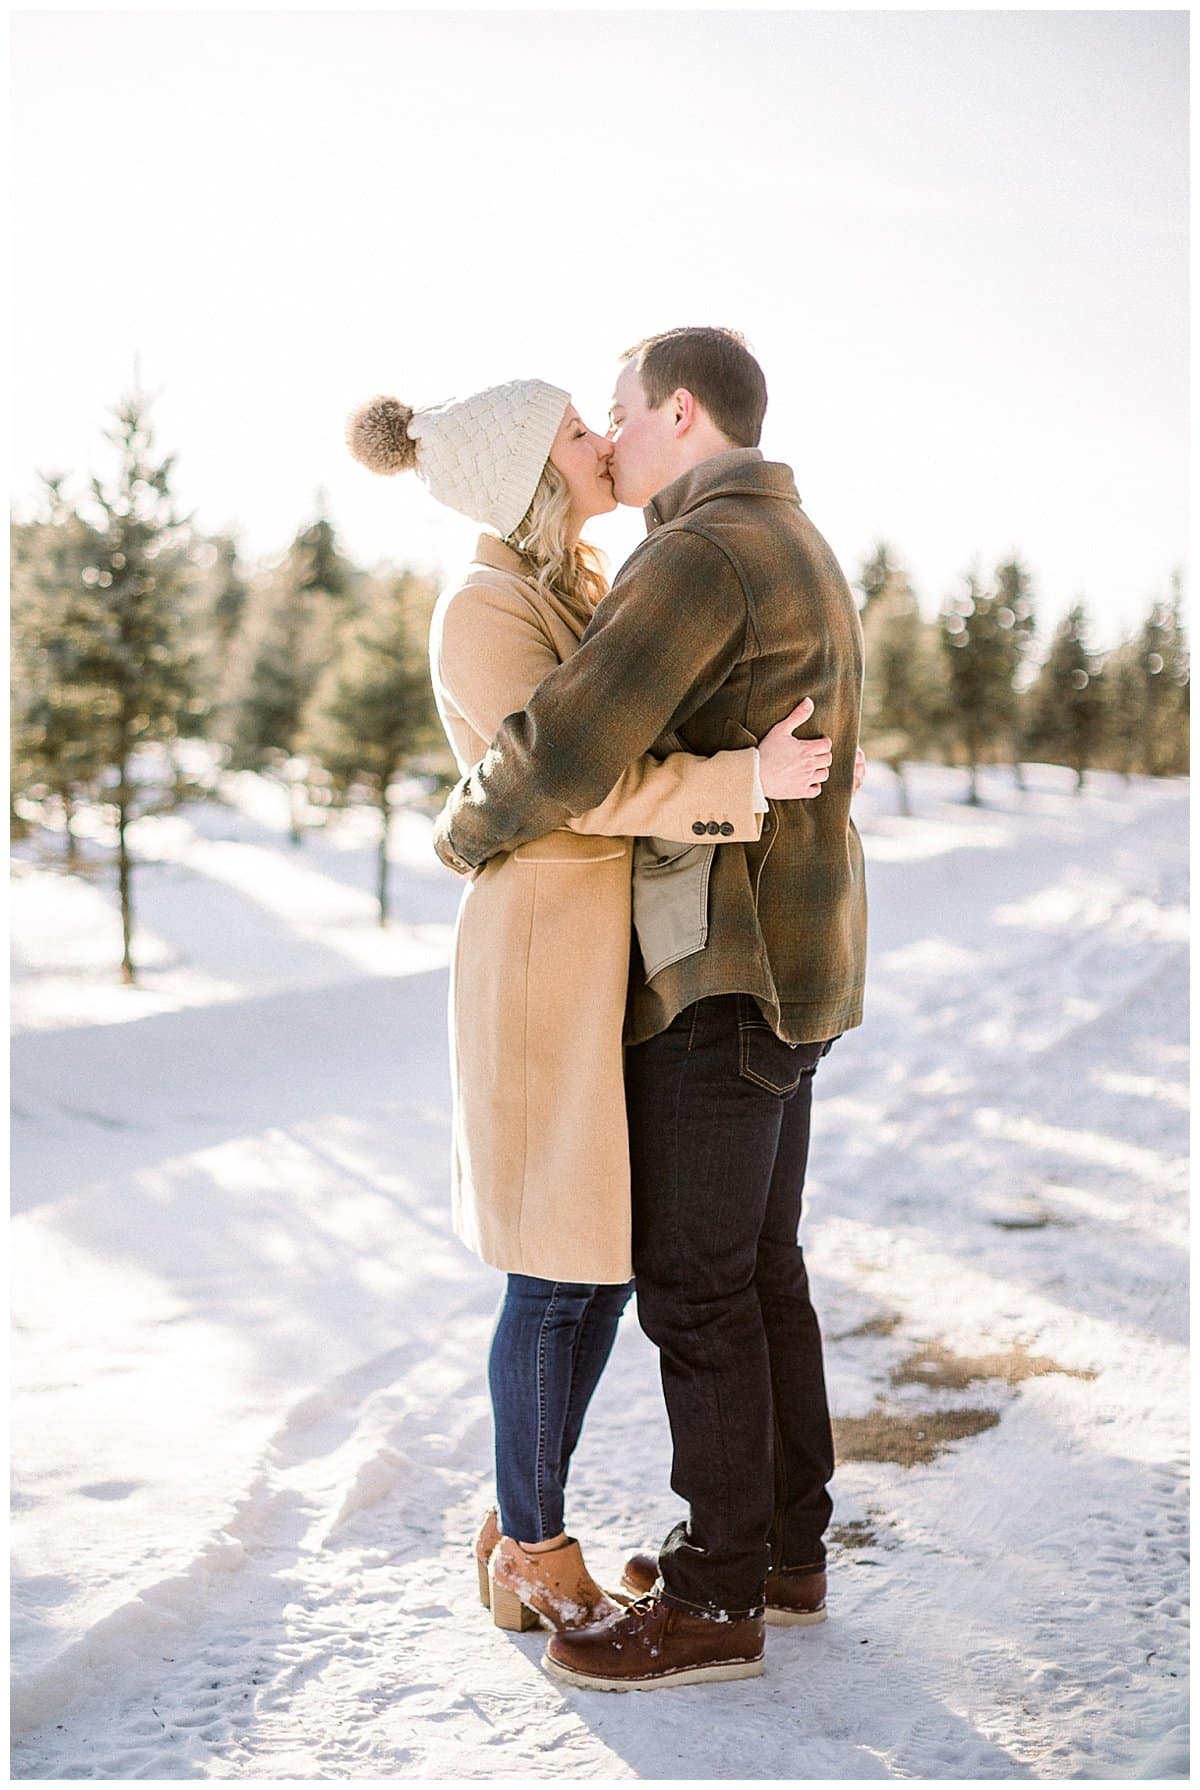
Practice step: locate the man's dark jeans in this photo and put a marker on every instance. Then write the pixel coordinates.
(719, 1111)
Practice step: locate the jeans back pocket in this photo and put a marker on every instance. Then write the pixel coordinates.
(768, 1060)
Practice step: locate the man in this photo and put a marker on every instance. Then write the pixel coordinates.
(749, 965)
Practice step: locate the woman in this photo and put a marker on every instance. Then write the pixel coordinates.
(541, 961)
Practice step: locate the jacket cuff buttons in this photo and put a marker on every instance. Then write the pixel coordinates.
(452, 859)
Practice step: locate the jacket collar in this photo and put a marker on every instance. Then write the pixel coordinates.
(490, 550)
(739, 472)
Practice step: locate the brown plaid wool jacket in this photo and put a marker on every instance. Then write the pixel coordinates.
(730, 611)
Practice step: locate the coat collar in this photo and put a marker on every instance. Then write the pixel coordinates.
(739, 472)
(498, 556)
(490, 550)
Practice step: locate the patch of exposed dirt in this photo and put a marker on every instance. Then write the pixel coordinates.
(883, 1325)
(935, 1365)
(853, 1535)
(908, 1437)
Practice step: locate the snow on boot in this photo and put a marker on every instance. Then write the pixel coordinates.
(793, 1598)
(554, 1584)
(654, 1644)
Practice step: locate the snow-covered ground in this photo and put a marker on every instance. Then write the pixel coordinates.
(250, 1428)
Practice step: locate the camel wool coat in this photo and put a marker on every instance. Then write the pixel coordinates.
(538, 983)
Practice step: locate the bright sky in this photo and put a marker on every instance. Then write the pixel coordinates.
(956, 242)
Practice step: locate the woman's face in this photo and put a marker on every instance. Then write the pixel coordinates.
(582, 457)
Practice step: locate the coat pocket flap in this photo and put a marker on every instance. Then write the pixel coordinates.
(564, 847)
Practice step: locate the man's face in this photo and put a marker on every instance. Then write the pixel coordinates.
(644, 445)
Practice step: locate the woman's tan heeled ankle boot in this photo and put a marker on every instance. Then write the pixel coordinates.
(555, 1585)
(484, 1545)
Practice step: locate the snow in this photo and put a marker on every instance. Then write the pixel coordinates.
(250, 1428)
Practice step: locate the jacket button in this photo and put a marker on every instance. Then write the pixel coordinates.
(727, 827)
(698, 826)
(714, 826)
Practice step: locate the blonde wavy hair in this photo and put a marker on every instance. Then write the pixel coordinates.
(540, 537)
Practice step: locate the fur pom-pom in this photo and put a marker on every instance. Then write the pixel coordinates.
(377, 436)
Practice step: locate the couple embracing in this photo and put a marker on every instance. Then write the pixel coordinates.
(663, 933)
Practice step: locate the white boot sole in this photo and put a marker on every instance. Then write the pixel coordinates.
(748, 1668)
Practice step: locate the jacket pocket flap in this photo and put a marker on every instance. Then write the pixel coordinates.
(670, 900)
(564, 847)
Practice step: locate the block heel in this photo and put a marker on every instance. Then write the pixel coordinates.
(486, 1538)
(509, 1612)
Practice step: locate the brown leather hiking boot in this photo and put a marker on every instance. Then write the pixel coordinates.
(792, 1598)
(553, 1584)
(654, 1644)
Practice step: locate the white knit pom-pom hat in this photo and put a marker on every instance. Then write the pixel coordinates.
(481, 455)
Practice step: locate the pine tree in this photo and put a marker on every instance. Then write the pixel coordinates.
(229, 591)
(1146, 688)
(1123, 688)
(899, 695)
(320, 565)
(222, 596)
(52, 756)
(985, 636)
(375, 707)
(1163, 662)
(295, 620)
(1016, 621)
(880, 570)
(1181, 755)
(971, 674)
(1067, 706)
(136, 670)
(279, 664)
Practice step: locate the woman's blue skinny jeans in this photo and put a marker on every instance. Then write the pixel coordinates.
(551, 1341)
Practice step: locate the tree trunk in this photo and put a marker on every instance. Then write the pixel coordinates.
(1080, 773)
(294, 833)
(125, 883)
(385, 829)
(68, 807)
(903, 805)
(972, 777)
(178, 782)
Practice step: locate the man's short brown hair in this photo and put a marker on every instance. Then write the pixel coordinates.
(718, 369)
